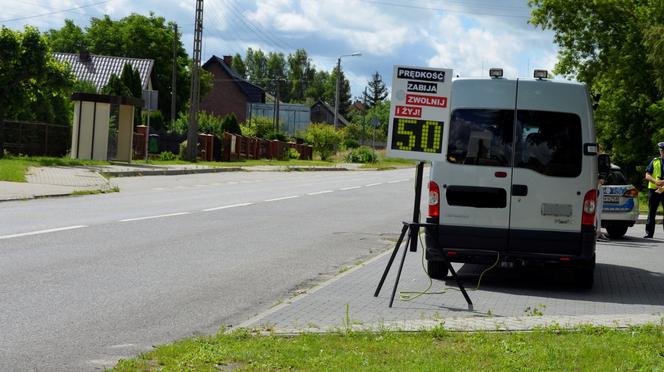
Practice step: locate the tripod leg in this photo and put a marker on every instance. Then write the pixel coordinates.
(458, 281)
(389, 264)
(403, 258)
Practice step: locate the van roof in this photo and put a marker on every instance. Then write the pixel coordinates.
(521, 79)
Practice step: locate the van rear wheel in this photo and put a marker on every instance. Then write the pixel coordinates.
(617, 231)
(437, 269)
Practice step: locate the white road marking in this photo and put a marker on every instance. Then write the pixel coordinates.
(159, 189)
(320, 192)
(350, 188)
(42, 231)
(216, 184)
(200, 185)
(152, 217)
(227, 206)
(233, 183)
(373, 184)
(395, 181)
(282, 198)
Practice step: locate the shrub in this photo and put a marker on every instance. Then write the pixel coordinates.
(323, 138)
(276, 136)
(258, 126)
(363, 154)
(229, 124)
(351, 143)
(293, 154)
(167, 155)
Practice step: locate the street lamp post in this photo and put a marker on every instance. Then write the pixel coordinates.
(336, 93)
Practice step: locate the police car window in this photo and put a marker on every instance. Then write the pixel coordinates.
(616, 177)
(481, 137)
(549, 143)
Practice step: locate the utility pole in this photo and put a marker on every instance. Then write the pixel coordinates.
(194, 98)
(364, 115)
(336, 93)
(175, 74)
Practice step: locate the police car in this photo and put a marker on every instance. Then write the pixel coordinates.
(620, 205)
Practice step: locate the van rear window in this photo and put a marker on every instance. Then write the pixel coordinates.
(549, 143)
(481, 137)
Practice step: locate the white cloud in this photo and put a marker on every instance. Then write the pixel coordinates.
(472, 51)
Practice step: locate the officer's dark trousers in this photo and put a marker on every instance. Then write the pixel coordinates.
(654, 200)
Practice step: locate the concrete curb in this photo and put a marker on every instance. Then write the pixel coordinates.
(166, 172)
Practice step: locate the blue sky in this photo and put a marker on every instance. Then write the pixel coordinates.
(468, 36)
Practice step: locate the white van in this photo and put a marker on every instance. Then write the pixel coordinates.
(517, 182)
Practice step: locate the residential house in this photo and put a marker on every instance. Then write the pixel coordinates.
(321, 112)
(230, 92)
(98, 69)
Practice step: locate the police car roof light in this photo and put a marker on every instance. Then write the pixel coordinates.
(496, 72)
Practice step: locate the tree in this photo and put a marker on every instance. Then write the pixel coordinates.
(300, 75)
(238, 65)
(69, 39)
(32, 83)
(229, 124)
(276, 76)
(377, 90)
(616, 48)
(317, 87)
(256, 63)
(344, 91)
(131, 78)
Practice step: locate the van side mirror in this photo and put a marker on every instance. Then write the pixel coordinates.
(603, 163)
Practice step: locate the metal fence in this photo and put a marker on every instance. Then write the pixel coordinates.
(36, 139)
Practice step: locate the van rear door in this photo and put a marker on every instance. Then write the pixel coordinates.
(477, 172)
(548, 179)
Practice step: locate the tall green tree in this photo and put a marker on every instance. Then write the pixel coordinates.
(616, 47)
(301, 74)
(376, 90)
(344, 91)
(317, 87)
(238, 65)
(276, 76)
(131, 78)
(33, 85)
(256, 63)
(69, 39)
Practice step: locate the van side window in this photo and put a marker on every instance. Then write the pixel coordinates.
(481, 137)
(549, 143)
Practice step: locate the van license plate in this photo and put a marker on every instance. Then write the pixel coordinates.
(612, 199)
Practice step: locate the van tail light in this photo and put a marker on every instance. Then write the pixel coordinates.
(434, 199)
(589, 204)
(631, 193)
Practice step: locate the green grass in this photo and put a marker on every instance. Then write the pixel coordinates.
(586, 348)
(13, 168)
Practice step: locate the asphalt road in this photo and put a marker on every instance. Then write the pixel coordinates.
(85, 281)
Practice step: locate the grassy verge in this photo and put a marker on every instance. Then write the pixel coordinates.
(586, 348)
(242, 163)
(13, 168)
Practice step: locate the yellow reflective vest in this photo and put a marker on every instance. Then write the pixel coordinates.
(656, 172)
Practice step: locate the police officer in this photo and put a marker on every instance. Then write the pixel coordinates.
(655, 197)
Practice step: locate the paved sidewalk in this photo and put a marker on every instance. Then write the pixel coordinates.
(629, 290)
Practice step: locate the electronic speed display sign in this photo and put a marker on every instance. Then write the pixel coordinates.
(419, 112)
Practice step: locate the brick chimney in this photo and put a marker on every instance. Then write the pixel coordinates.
(228, 60)
(84, 56)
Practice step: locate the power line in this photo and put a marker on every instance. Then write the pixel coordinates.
(263, 35)
(54, 12)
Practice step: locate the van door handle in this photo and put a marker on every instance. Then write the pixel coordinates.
(519, 190)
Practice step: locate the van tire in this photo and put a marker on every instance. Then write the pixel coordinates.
(617, 231)
(437, 269)
(584, 275)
